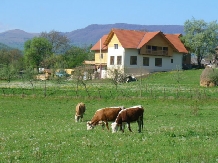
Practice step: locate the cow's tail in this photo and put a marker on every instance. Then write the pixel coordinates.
(141, 119)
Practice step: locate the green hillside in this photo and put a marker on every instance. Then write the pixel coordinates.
(3, 46)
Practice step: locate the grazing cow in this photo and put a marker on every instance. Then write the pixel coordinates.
(103, 116)
(128, 115)
(80, 110)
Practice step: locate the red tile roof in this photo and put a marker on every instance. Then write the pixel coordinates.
(136, 39)
(97, 45)
(176, 42)
(129, 38)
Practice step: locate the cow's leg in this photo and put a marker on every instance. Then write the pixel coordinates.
(122, 126)
(81, 118)
(107, 125)
(139, 124)
(76, 118)
(128, 123)
(102, 125)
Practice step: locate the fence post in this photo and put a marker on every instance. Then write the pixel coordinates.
(190, 93)
(99, 93)
(111, 93)
(76, 94)
(177, 93)
(87, 92)
(3, 91)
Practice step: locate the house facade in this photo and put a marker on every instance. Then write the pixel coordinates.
(140, 52)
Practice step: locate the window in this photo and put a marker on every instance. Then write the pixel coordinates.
(158, 62)
(154, 48)
(165, 50)
(115, 46)
(133, 60)
(112, 60)
(171, 60)
(145, 61)
(119, 60)
(101, 56)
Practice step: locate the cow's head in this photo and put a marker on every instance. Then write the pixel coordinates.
(114, 127)
(89, 125)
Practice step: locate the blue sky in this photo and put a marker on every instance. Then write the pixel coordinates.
(37, 16)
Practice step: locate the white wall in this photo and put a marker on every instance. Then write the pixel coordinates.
(139, 68)
(166, 62)
(115, 52)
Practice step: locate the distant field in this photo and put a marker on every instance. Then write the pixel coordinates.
(174, 84)
(177, 127)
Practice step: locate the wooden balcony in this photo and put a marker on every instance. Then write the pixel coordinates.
(155, 52)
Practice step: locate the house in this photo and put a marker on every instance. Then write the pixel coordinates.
(101, 56)
(139, 52)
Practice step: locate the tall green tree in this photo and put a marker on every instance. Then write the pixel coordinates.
(36, 50)
(11, 63)
(200, 37)
(75, 56)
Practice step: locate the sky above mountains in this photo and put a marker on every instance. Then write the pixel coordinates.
(68, 15)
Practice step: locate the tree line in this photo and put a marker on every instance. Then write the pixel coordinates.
(50, 50)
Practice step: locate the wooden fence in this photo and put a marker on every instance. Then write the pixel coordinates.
(113, 93)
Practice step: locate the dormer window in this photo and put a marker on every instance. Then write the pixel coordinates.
(115, 46)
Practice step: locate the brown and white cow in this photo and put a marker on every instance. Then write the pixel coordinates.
(103, 116)
(128, 115)
(80, 110)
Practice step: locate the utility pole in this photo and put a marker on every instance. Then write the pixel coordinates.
(100, 58)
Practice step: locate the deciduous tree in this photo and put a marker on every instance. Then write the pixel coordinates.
(59, 42)
(200, 37)
(36, 50)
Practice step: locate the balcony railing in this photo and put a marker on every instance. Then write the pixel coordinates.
(156, 52)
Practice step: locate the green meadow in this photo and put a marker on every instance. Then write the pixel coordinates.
(180, 121)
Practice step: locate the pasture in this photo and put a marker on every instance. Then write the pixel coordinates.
(42, 129)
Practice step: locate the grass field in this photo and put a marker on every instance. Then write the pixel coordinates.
(38, 129)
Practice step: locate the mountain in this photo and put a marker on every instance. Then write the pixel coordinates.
(85, 36)
(92, 33)
(15, 38)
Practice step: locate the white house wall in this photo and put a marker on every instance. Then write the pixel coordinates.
(115, 52)
(139, 69)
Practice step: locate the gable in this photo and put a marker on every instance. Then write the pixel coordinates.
(114, 40)
(127, 38)
(158, 41)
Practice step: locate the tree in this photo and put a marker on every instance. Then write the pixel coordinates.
(11, 63)
(36, 50)
(59, 42)
(116, 75)
(200, 37)
(76, 55)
